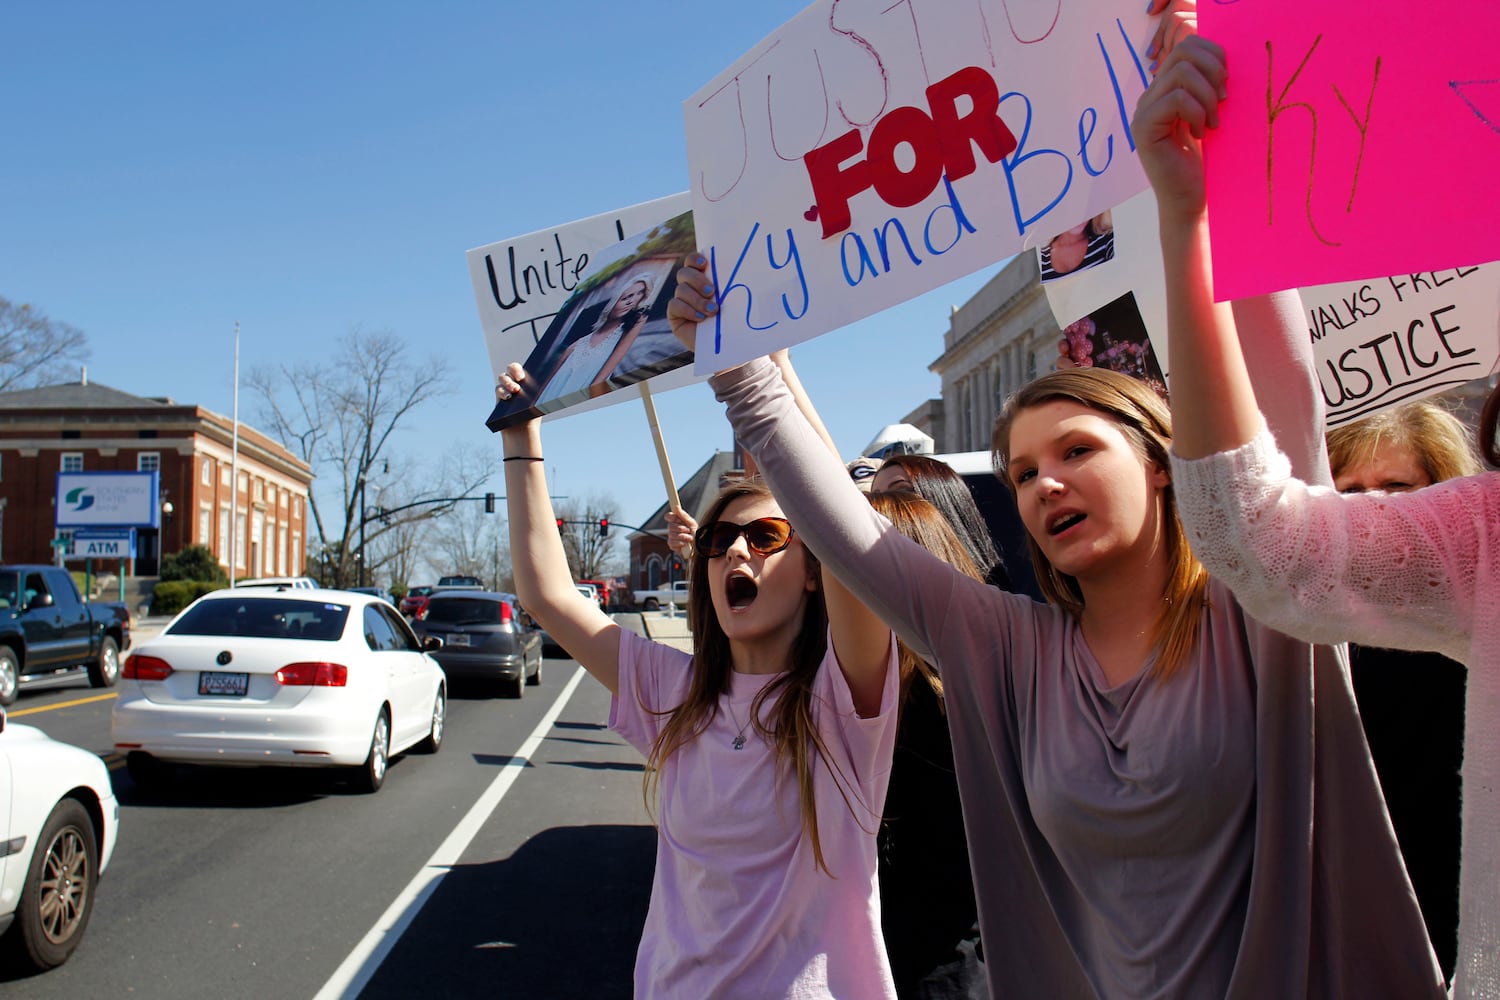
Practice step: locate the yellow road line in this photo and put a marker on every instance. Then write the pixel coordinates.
(62, 704)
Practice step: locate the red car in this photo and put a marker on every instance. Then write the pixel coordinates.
(414, 604)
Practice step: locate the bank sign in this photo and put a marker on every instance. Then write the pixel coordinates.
(108, 500)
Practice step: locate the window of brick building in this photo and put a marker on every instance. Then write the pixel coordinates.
(148, 461)
(72, 461)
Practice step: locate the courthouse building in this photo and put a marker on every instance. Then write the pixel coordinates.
(87, 427)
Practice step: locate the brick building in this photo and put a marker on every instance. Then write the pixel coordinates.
(87, 427)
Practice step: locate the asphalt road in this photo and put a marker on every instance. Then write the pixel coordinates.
(516, 862)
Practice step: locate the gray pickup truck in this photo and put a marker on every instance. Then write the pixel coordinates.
(49, 634)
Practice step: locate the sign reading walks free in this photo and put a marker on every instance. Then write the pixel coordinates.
(107, 500)
(866, 153)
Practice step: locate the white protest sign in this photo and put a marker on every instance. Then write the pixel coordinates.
(521, 283)
(1384, 342)
(870, 151)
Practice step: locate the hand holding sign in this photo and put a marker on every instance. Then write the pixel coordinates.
(1327, 168)
(1171, 119)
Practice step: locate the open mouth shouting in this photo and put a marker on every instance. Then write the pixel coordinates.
(740, 591)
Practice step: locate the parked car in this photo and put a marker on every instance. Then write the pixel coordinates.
(485, 637)
(320, 678)
(58, 825)
(415, 601)
(674, 593)
(49, 634)
(286, 582)
(461, 581)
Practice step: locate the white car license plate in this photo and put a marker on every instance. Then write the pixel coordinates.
(458, 639)
(214, 683)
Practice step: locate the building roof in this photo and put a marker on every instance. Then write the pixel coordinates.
(77, 396)
(698, 492)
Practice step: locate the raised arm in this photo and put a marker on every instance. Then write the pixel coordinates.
(1302, 559)
(543, 581)
(1213, 403)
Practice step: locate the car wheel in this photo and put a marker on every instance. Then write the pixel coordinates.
(10, 676)
(371, 774)
(652, 604)
(148, 773)
(105, 669)
(434, 739)
(58, 894)
(536, 675)
(514, 688)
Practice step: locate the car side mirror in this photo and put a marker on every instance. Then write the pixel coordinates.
(431, 643)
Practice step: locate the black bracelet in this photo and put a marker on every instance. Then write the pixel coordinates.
(523, 458)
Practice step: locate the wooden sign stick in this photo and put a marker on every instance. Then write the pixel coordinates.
(661, 448)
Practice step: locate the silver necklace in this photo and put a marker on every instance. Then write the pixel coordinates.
(739, 738)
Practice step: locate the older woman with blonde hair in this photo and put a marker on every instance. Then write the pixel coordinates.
(1412, 703)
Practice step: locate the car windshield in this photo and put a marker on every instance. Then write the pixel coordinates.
(264, 617)
(464, 611)
(8, 584)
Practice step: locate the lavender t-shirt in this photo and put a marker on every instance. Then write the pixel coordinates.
(738, 906)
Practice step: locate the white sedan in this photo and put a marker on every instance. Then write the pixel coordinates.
(294, 677)
(58, 822)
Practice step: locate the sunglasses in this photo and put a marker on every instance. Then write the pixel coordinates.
(765, 536)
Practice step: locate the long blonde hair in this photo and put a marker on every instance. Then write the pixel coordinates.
(920, 520)
(1144, 419)
(791, 732)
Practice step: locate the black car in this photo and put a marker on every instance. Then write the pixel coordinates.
(486, 637)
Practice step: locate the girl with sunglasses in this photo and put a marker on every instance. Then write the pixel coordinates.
(768, 749)
(927, 911)
(1417, 570)
(1164, 797)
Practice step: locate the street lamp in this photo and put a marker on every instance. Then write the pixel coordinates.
(161, 536)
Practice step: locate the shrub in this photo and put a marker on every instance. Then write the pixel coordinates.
(172, 596)
(195, 562)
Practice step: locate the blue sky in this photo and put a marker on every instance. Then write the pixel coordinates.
(309, 169)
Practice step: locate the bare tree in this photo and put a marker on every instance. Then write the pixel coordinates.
(472, 543)
(339, 417)
(36, 349)
(585, 539)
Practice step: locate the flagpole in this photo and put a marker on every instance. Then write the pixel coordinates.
(234, 465)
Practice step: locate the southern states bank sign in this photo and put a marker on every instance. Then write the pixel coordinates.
(107, 499)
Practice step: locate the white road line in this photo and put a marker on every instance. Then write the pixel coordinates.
(356, 971)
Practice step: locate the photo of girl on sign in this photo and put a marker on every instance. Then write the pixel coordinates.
(613, 331)
(1080, 248)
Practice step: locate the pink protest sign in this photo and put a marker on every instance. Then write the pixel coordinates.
(1357, 139)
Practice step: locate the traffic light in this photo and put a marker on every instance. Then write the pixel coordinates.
(603, 527)
(489, 503)
(559, 525)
